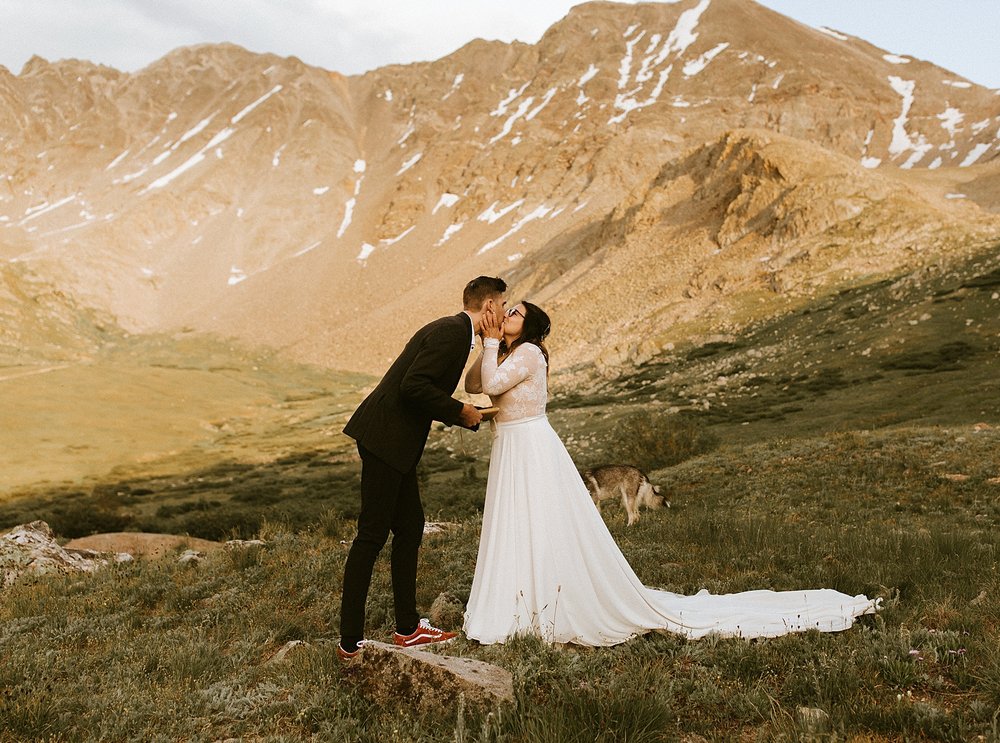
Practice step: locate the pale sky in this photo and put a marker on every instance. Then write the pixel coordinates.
(353, 36)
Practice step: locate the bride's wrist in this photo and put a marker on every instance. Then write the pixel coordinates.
(491, 343)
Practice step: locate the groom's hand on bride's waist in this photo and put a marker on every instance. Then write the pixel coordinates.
(470, 417)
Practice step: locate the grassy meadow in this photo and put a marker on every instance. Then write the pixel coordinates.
(138, 406)
(851, 444)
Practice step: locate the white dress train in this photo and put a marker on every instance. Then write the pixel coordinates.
(549, 567)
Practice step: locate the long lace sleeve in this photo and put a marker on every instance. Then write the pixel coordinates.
(474, 377)
(497, 379)
(518, 386)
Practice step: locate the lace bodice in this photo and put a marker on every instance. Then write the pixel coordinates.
(518, 386)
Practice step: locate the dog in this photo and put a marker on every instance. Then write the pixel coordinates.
(630, 483)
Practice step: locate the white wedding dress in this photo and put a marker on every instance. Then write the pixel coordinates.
(549, 567)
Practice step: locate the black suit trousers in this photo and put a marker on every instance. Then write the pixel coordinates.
(390, 503)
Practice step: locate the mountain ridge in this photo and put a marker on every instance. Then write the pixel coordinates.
(256, 196)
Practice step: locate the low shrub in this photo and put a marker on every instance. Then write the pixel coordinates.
(651, 440)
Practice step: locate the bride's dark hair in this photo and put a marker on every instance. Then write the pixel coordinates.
(535, 330)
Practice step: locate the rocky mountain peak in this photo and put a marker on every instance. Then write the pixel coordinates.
(256, 196)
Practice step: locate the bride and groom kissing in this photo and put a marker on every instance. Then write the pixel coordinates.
(547, 564)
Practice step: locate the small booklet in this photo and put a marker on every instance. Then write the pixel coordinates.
(489, 413)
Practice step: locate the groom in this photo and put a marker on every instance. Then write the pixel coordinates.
(391, 427)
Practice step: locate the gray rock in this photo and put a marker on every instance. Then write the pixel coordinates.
(191, 557)
(244, 543)
(813, 719)
(31, 549)
(440, 527)
(447, 611)
(393, 675)
(285, 650)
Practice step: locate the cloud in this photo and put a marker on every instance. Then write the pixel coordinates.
(60, 29)
(353, 36)
(350, 36)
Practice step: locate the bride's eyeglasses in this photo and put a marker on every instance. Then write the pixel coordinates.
(513, 311)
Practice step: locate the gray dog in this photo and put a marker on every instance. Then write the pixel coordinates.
(628, 482)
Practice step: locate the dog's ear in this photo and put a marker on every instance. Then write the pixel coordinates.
(656, 489)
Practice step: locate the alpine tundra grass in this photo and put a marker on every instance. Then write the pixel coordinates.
(849, 444)
(162, 651)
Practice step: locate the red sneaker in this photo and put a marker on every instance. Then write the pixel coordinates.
(347, 657)
(423, 635)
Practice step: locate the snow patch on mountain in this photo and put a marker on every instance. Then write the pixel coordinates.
(400, 236)
(447, 200)
(950, 118)
(830, 32)
(978, 151)
(366, 250)
(512, 95)
(236, 275)
(537, 213)
(410, 163)
(901, 140)
(491, 215)
(454, 86)
(695, 66)
(509, 123)
(452, 229)
(117, 160)
(548, 97)
(348, 215)
(242, 114)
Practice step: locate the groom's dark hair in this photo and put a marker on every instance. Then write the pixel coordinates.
(480, 289)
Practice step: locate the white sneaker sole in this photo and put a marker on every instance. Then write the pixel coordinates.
(421, 640)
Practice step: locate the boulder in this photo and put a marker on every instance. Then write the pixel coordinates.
(286, 649)
(813, 720)
(388, 675)
(190, 557)
(31, 549)
(447, 611)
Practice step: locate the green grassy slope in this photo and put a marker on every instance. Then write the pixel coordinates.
(160, 651)
(148, 405)
(919, 349)
(853, 445)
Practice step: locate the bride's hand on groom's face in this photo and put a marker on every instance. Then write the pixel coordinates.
(491, 326)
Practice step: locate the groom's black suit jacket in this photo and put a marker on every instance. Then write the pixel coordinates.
(394, 420)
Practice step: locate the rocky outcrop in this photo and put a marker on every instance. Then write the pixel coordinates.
(141, 544)
(728, 232)
(31, 549)
(391, 675)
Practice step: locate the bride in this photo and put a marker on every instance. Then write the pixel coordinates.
(547, 564)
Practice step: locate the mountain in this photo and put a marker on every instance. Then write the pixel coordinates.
(654, 173)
